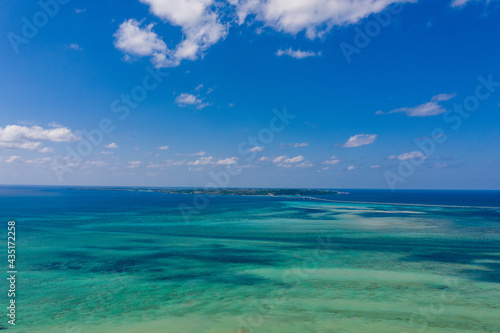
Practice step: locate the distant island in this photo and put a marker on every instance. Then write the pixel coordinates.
(227, 191)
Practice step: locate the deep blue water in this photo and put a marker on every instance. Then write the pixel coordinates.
(426, 197)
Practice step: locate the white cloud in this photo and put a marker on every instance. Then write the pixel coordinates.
(112, 145)
(462, 3)
(15, 136)
(315, 17)
(332, 160)
(96, 163)
(297, 145)
(351, 167)
(163, 147)
(211, 160)
(408, 156)
(18, 145)
(305, 164)
(13, 159)
(186, 99)
(54, 124)
(133, 164)
(297, 54)
(46, 150)
(201, 23)
(19, 159)
(200, 26)
(136, 40)
(201, 153)
(256, 149)
(79, 11)
(285, 159)
(440, 165)
(458, 3)
(74, 46)
(39, 160)
(286, 162)
(360, 140)
(375, 166)
(227, 161)
(432, 108)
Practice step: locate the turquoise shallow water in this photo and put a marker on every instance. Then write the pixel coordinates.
(127, 261)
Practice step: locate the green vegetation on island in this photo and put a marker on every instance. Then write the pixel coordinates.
(230, 191)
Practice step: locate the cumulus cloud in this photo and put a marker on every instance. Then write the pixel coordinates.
(298, 145)
(202, 23)
(200, 153)
(360, 140)
(315, 17)
(462, 3)
(305, 164)
(163, 147)
(351, 167)
(332, 160)
(23, 137)
(186, 99)
(227, 161)
(96, 163)
(19, 159)
(286, 162)
(39, 160)
(417, 154)
(432, 108)
(297, 54)
(213, 161)
(200, 26)
(256, 149)
(74, 46)
(12, 159)
(133, 164)
(46, 150)
(54, 124)
(112, 145)
(135, 39)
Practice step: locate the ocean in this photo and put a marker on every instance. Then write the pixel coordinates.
(96, 260)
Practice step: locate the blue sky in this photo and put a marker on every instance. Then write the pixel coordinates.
(239, 93)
